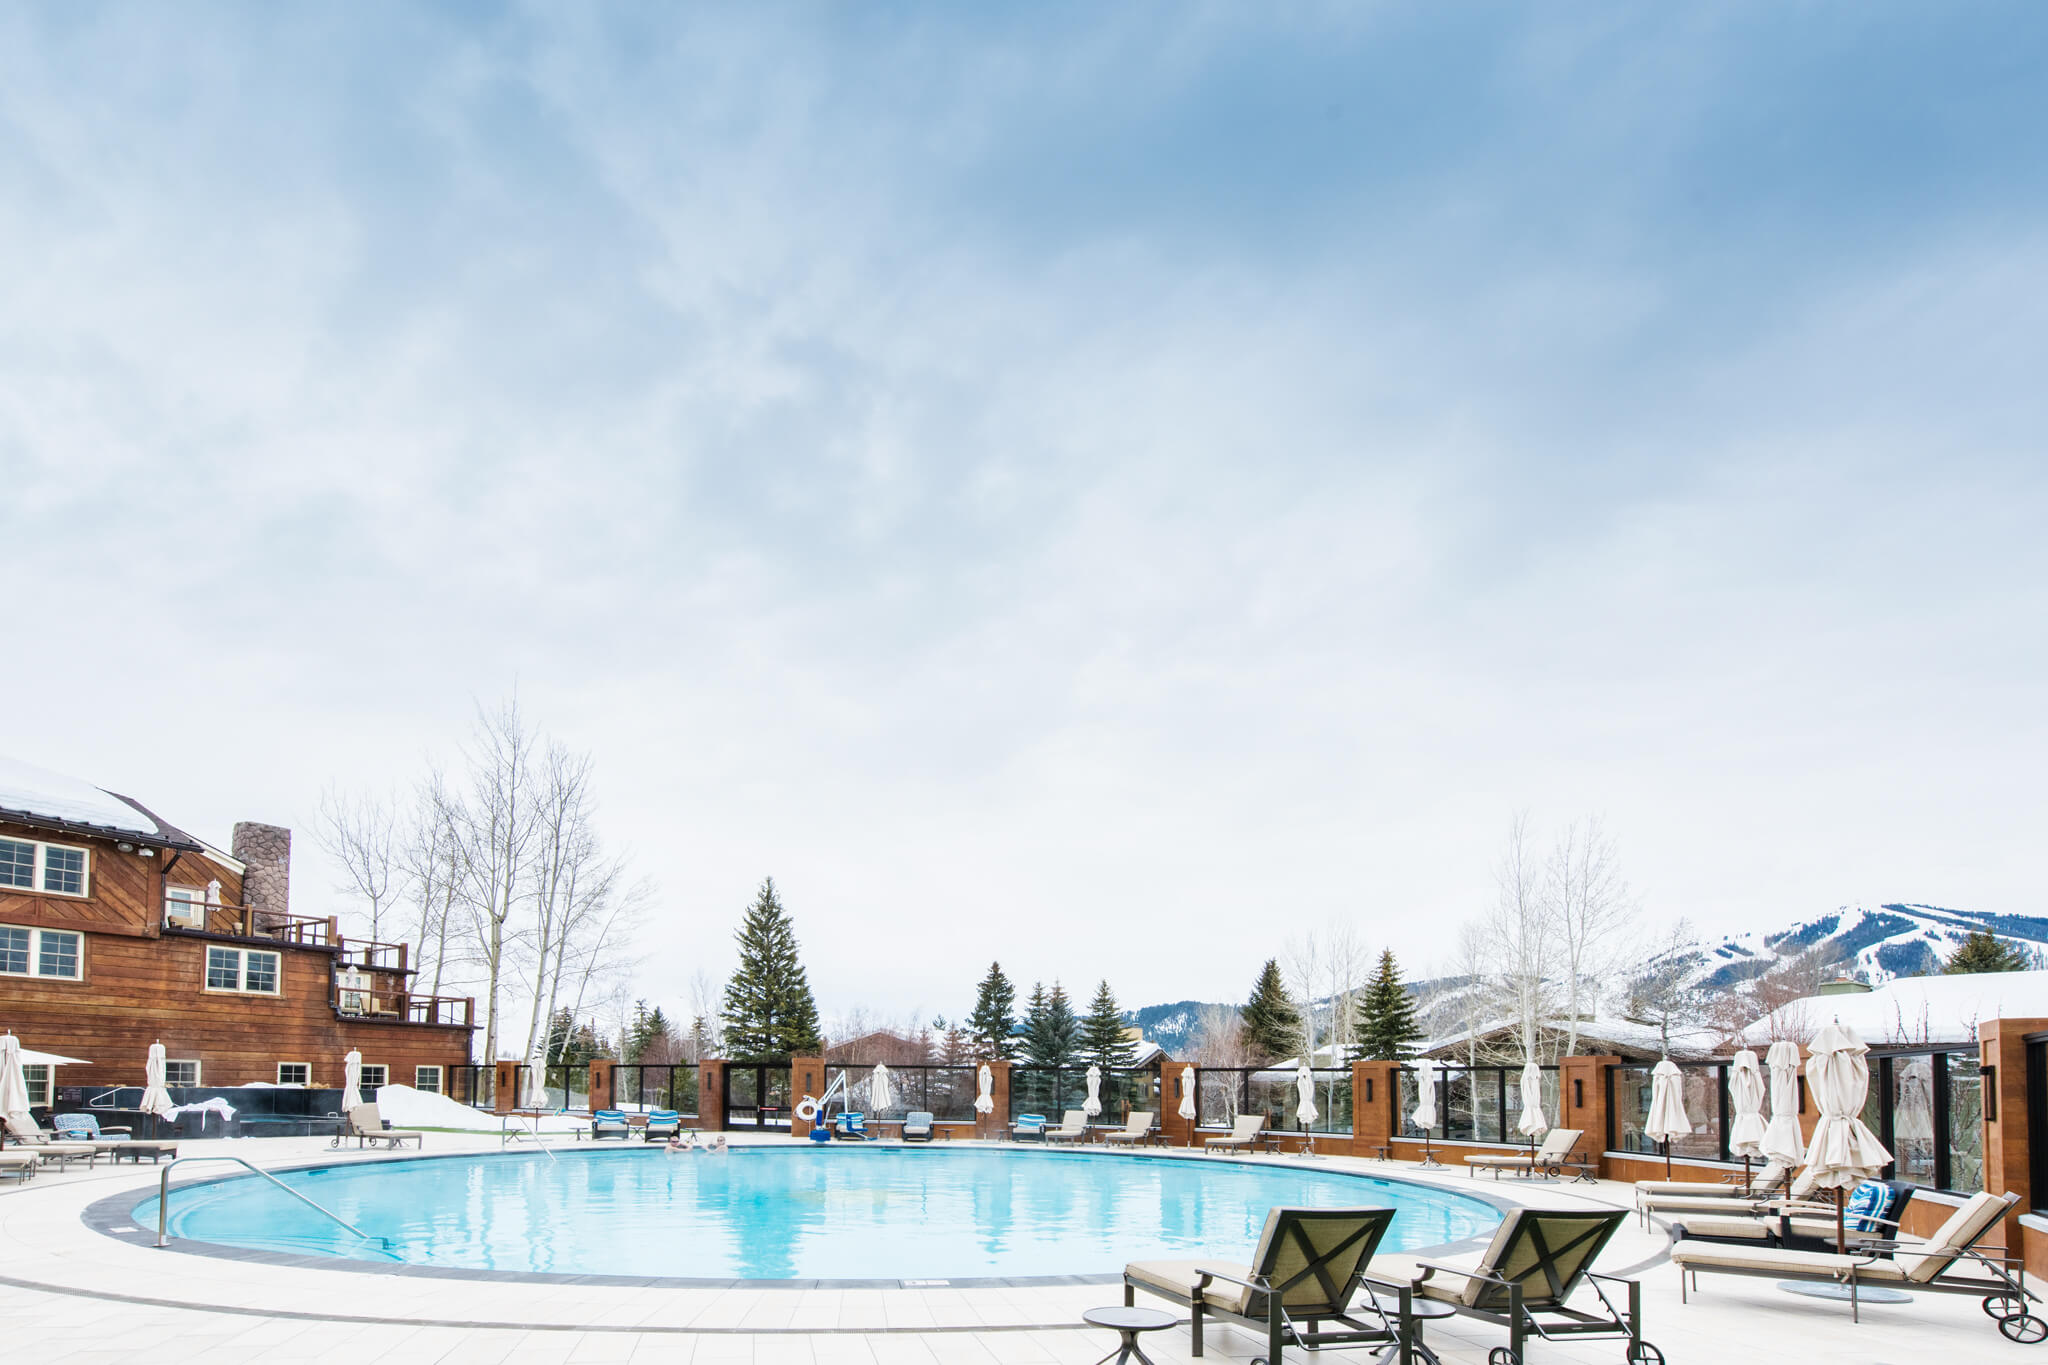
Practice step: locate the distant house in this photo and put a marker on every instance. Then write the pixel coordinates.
(879, 1045)
(118, 930)
(1632, 1040)
(1910, 1010)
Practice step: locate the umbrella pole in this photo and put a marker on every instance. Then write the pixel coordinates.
(1666, 1144)
(1841, 1234)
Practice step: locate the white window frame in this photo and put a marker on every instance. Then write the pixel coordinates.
(383, 1076)
(306, 1079)
(242, 956)
(37, 1078)
(192, 1062)
(35, 953)
(187, 896)
(39, 876)
(419, 1079)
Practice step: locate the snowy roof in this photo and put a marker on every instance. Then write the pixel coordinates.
(39, 796)
(1912, 1009)
(1631, 1035)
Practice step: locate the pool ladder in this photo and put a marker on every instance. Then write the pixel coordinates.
(163, 1200)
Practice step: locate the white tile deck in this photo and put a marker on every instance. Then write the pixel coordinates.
(75, 1295)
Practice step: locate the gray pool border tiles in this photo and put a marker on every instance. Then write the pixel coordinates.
(113, 1216)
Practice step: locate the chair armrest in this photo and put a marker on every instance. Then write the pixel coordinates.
(1461, 1270)
(1257, 1282)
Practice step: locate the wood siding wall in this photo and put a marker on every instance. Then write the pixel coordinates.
(140, 985)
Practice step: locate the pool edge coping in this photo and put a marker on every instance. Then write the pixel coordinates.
(112, 1216)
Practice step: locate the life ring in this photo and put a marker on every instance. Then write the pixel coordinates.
(807, 1109)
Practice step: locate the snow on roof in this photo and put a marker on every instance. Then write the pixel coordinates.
(1630, 1033)
(41, 794)
(1912, 1009)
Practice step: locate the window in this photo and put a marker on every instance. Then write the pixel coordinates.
(427, 1078)
(38, 1078)
(376, 1077)
(39, 952)
(241, 969)
(185, 1073)
(184, 908)
(294, 1073)
(56, 868)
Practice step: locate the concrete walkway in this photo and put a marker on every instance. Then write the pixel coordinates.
(76, 1294)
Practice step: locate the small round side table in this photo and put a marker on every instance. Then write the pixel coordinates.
(1130, 1322)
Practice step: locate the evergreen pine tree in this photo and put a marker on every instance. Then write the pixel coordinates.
(1387, 1022)
(1984, 951)
(770, 1014)
(1102, 1032)
(1271, 1023)
(993, 1024)
(1036, 1039)
(1062, 1028)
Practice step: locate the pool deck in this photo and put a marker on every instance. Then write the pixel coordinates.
(76, 1294)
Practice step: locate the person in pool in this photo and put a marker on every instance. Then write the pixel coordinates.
(683, 1141)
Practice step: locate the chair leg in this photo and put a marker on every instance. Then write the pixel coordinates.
(1515, 1319)
(1129, 1300)
(1273, 1333)
(1195, 1330)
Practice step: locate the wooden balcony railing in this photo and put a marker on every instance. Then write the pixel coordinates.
(248, 922)
(399, 1007)
(371, 956)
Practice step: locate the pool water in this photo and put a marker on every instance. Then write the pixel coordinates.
(805, 1213)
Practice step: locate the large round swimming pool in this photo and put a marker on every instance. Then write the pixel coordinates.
(787, 1213)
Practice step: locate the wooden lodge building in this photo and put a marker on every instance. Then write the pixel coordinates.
(118, 930)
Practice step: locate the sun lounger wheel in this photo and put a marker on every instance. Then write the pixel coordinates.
(1643, 1353)
(1501, 1355)
(2022, 1327)
(2001, 1305)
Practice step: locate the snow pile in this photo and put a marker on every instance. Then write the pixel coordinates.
(1912, 1009)
(37, 791)
(404, 1107)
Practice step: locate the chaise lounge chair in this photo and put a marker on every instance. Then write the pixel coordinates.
(1028, 1128)
(1537, 1260)
(1948, 1262)
(85, 1128)
(1872, 1214)
(1798, 1198)
(1073, 1127)
(610, 1123)
(366, 1126)
(661, 1123)
(1308, 1267)
(29, 1136)
(1765, 1181)
(1136, 1128)
(1546, 1160)
(18, 1165)
(1243, 1134)
(917, 1126)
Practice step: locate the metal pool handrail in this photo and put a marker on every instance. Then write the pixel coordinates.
(163, 1198)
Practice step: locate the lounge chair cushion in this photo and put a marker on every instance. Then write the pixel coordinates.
(1934, 1254)
(1177, 1279)
(1242, 1133)
(1778, 1260)
(1759, 1229)
(1765, 1181)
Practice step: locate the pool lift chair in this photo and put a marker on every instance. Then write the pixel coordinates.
(1302, 1288)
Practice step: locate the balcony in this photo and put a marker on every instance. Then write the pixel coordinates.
(403, 1007)
(243, 921)
(368, 956)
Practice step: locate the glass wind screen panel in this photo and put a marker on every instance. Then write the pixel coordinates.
(1513, 1115)
(1217, 1104)
(1632, 1109)
(1913, 1118)
(1965, 1123)
(1700, 1089)
(17, 864)
(64, 870)
(1454, 1102)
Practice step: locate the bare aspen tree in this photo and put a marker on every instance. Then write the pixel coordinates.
(495, 826)
(1521, 942)
(562, 850)
(432, 855)
(1594, 915)
(361, 834)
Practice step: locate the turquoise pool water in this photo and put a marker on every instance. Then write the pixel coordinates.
(798, 1213)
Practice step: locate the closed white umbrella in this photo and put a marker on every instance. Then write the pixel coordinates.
(1782, 1138)
(1305, 1095)
(879, 1098)
(1093, 1104)
(1668, 1120)
(536, 1096)
(351, 1080)
(1187, 1093)
(14, 1087)
(1424, 1116)
(156, 1100)
(1532, 1124)
(1746, 1089)
(1844, 1152)
(985, 1102)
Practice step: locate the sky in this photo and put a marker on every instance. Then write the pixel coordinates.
(1109, 490)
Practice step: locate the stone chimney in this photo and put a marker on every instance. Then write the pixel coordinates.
(267, 851)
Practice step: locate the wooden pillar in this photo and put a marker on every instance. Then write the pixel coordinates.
(2008, 1162)
(1375, 1106)
(601, 1084)
(995, 1124)
(1582, 1104)
(1177, 1131)
(806, 1077)
(505, 1092)
(711, 1095)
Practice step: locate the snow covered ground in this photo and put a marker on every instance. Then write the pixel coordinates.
(404, 1107)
